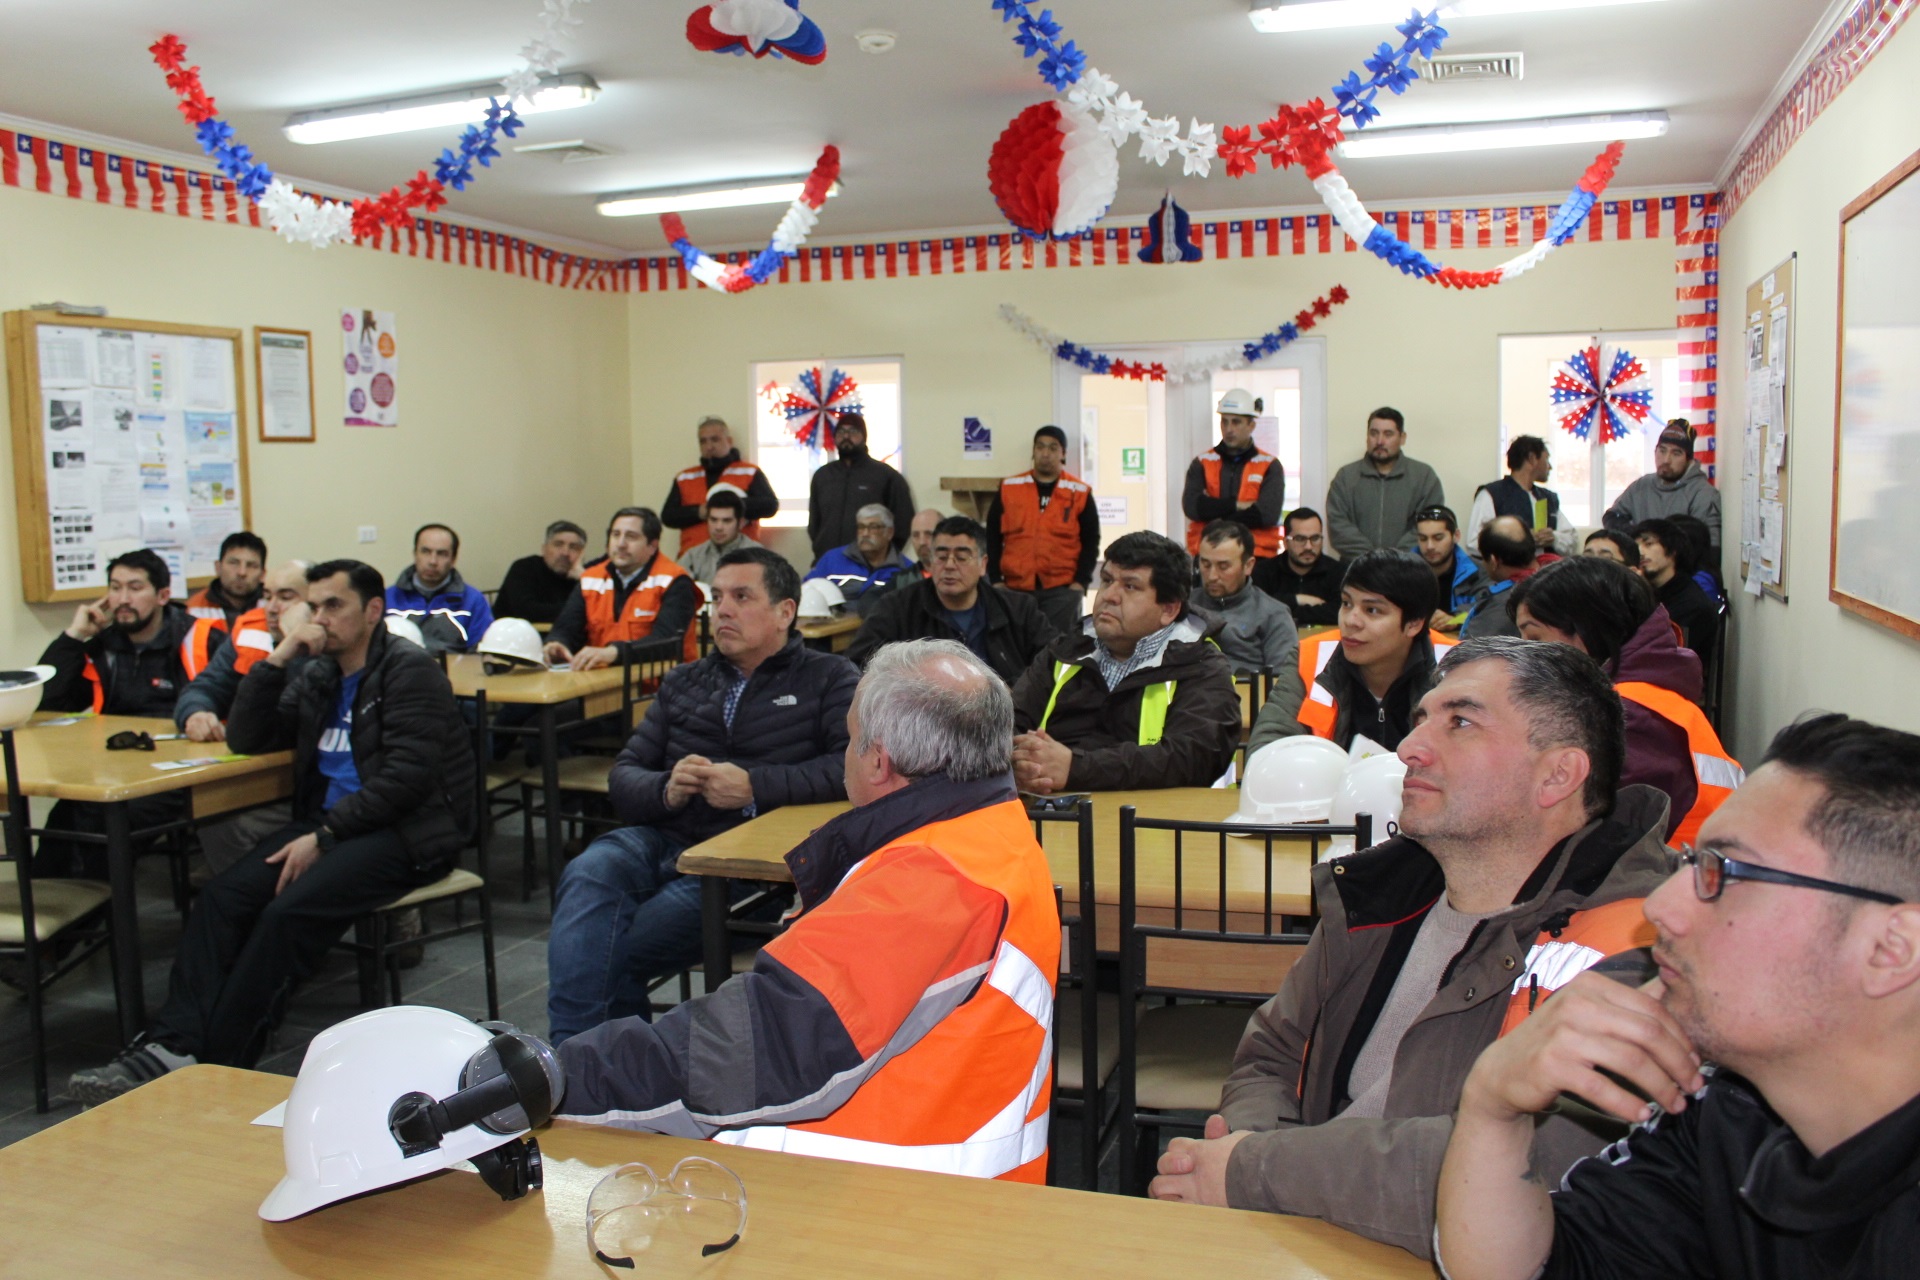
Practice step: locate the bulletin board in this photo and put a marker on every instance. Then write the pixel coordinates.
(126, 433)
(1767, 338)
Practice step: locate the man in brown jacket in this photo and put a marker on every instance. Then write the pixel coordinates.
(1517, 867)
(1142, 698)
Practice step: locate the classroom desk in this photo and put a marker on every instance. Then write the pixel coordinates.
(755, 850)
(831, 635)
(71, 762)
(167, 1181)
(599, 693)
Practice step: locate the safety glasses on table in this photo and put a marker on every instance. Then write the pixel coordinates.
(698, 1210)
(131, 740)
(1713, 871)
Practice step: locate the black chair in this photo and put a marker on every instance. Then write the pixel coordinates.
(1086, 1043)
(36, 912)
(1210, 953)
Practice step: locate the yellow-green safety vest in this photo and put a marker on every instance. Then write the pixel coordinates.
(1154, 701)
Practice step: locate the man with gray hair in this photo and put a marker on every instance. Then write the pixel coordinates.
(1519, 863)
(867, 563)
(904, 1018)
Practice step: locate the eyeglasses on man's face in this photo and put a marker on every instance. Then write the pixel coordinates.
(1713, 871)
(1306, 539)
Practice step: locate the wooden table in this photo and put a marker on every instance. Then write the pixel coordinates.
(755, 850)
(71, 762)
(167, 1181)
(834, 635)
(599, 692)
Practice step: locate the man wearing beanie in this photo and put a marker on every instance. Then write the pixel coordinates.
(1043, 533)
(1677, 487)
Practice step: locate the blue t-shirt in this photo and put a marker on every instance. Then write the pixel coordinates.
(972, 626)
(336, 745)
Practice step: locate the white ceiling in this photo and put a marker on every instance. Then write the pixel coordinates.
(914, 125)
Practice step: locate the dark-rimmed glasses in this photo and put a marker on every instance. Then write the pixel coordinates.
(1713, 871)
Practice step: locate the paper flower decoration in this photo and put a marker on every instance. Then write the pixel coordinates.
(758, 27)
(1604, 385)
(1052, 172)
(1169, 236)
(813, 408)
(792, 232)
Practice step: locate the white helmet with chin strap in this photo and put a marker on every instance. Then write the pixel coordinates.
(398, 1093)
(512, 644)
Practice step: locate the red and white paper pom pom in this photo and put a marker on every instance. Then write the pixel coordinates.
(1053, 172)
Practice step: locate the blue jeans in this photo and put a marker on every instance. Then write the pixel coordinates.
(623, 917)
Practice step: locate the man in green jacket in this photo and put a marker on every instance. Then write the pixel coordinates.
(1372, 501)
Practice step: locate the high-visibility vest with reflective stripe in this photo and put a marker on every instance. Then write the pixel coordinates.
(1715, 773)
(691, 487)
(970, 1096)
(1154, 701)
(642, 605)
(251, 641)
(198, 646)
(1266, 542)
(1318, 711)
(1559, 956)
(1040, 550)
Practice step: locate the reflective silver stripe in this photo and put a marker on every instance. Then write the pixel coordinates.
(1323, 652)
(454, 616)
(1713, 771)
(207, 611)
(1556, 964)
(596, 584)
(254, 638)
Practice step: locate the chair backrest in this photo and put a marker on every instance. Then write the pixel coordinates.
(1217, 910)
(14, 842)
(1074, 813)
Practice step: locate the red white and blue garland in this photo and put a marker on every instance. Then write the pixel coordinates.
(794, 228)
(303, 219)
(758, 27)
(1191, 371)
(1615, 400)
(1054, 172)
(812, 413)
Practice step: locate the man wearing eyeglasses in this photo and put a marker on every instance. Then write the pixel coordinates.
(1519, 863)
(866, 564)
(1305, 579)
(1772, 1067)
(1003, 628)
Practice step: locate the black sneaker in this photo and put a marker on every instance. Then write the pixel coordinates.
(139, 1063)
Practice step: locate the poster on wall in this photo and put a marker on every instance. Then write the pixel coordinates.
(371, 360)
(976, 439)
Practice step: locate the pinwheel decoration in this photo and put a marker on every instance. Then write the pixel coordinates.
(758, 27)
(814, 407)
(1606, 385)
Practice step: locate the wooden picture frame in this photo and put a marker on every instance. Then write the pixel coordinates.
(270, 430)
(1872, 571)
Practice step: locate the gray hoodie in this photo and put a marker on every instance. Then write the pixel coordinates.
(1651, 498)
(1367, 511)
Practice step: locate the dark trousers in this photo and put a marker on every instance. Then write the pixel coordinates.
(58, 858)
(245, 949)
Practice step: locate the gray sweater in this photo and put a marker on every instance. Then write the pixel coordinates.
(1257, 632)
(1367, 511)
(1651, 498)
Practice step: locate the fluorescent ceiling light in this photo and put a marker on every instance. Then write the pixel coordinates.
(466, 105)
(630, 204)
(1319, 15)
(1495, 135)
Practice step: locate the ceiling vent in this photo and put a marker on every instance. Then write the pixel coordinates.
(572, 151)
(1449, 67)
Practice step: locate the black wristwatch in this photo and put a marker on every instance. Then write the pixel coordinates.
(325, 839)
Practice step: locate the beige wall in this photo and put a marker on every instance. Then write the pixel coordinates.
(1433, 353)
(1808, 653)
(513, 394)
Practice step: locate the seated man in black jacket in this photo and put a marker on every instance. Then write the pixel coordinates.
(124, 654)
(1303, 578)
(758, 723)
(537, 587)
(1804, 980)
(1003, 628)
(383, 801)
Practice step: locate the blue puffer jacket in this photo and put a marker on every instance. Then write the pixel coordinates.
(453, 617)
(848, 570)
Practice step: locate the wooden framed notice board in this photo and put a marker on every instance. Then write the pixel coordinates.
(1764, 470)
(126, 433)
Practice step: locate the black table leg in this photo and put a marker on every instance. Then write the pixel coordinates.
(716, 948)
(128, 989)
(550, 786)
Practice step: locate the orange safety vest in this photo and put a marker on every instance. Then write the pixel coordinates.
(1557, 957)
(1266, 542)
(1715, 773)
(691, 488)
(972, 1095)
(252, 640)
(1319, 712)
(1039, 549)
(643, 605)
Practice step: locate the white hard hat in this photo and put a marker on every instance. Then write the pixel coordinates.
(726, 487)
(512, 644)
(819, 598)
(406, 629)
(1238, 401)
(1372, 787)
(20, 694)
(398, 1093)
(1292, 780)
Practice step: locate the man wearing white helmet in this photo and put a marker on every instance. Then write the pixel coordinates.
(1236, 480)
(1519, 863)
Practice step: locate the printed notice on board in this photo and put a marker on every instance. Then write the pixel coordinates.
(372, 364)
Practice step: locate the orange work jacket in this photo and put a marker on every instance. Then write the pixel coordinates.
(1716, 774)
(1266, 542)
(1039, 549)
(642, 606)
(691, 487)
(1559, 956)
(1319, 712)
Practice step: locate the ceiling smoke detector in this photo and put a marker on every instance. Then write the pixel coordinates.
(875, 41)
(1451, 67)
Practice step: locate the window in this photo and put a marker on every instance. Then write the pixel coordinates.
(789, 464)
(1588, 476)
